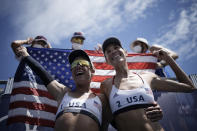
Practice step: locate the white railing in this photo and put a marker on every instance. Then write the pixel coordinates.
(8, 85)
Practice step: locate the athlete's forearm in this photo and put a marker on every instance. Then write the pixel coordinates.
(38, 69)
(180, 74)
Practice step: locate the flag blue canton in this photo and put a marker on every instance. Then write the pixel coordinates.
(55, 61)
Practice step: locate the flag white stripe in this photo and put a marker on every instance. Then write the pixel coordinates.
(142, 59)
(32, 98)
(29, 84)
(152, 59)
(104, 72)
(97, 58)
(31, 113)
(95, 85)
(144, 70)
(112, 72)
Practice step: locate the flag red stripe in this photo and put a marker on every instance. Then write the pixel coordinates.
(95, 53)
(141, 54)
(31, 91)
(102, 66)
(141, 65)
(33, 106)
(97, 78)
(133, 65)
(31, 121)
(95, 90)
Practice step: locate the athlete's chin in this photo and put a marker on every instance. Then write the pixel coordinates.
(118, 61)
(81, 79)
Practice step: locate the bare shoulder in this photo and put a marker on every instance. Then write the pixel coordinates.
(148, 75)
(57, 89)
(107, 81)
(102, 97)
(58, 86)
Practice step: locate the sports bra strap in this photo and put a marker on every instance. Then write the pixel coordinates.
(113, 80)
(140, 77)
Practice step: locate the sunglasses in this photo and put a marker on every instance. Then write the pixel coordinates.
(77, 40)
(81, 63)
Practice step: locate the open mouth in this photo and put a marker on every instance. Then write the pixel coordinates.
(115, 56)
(79, 73)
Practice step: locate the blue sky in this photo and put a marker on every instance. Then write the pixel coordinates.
(170, 23)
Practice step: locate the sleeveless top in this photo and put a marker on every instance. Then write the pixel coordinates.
(125, 100)
(91, 107)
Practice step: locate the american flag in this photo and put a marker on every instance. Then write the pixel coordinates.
(33, 108)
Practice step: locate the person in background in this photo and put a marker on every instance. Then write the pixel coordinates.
(37, 42)
(98, 48)
(77, 40)
(129, 93)
(140, 45)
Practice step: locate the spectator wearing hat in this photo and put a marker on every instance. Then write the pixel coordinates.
(77, 40)
(140, 45)
(37, 42)
(40, 42)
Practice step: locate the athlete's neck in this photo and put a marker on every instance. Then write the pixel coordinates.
(122, 70)
(83, 88)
